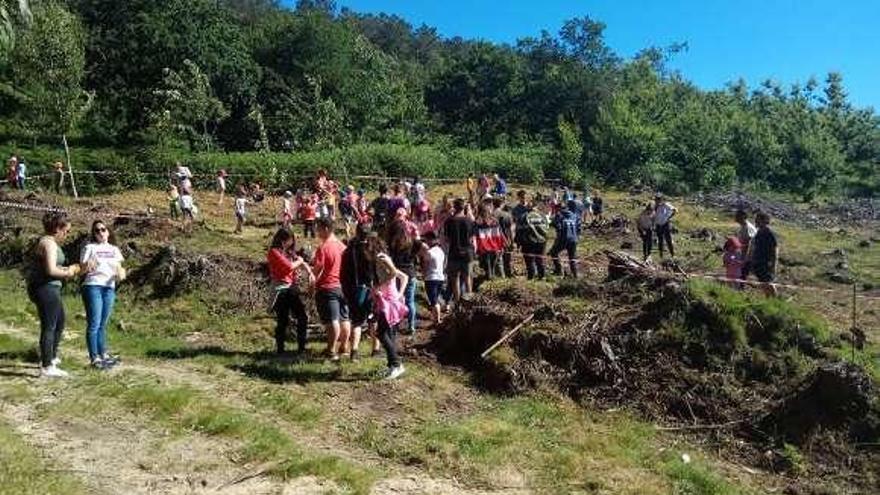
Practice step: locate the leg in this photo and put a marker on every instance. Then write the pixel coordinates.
(554, 254)
(659, 232)
(302, 320)
(344, 321)
(388, 337)
(109, 298)
(668, 233)
(572, 258)
(92, 301)
(528, 258)
(282, 319)
(508, 263)
(48, 300)
(411, 303)
(333, 331)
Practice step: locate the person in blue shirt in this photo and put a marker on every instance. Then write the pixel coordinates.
(567, 224)
(500, 186)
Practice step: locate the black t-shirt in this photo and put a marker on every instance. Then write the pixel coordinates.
(763, 248)
(459, 233)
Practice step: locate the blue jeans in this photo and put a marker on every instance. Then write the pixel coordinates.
(99, 305)
(409, 294)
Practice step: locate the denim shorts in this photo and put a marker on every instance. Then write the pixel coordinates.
(331, 305)
(434, 288)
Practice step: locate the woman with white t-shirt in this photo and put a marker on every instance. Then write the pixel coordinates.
(99, 290)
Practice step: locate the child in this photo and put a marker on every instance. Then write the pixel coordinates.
(390, 309)
(221, 185)
(645, 226)
(174, 202)
(187, 209)
(286, 215)
(434, 271)
(598, 208)
(733, 260)
(309, 214)
(240, 210)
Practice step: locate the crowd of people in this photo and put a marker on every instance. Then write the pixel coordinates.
(395, 243)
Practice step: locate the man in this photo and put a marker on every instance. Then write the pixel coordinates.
(663, 213)
(379, 209)
(763, 254)
(746, 231)
(459, 232)
(532, 238)
(20, 174)
(567, 225)
(329, 301)
(505, 221)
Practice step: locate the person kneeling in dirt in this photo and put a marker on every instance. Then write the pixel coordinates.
(329, 300)
(283, 266)
(390, 309)
(567, 224)
(663, 213)
(763, 253)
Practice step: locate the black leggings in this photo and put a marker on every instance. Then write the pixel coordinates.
(51, 311)
(388, 338)
(647, 243)
(664, 235)
(534, 258)
(289, 301)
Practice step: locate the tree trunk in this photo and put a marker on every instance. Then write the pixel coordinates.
(69, 166)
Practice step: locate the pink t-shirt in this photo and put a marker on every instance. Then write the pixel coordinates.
(389, 301)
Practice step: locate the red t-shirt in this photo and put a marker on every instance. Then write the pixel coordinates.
(280, 267)
(308, 211)
(328, 263)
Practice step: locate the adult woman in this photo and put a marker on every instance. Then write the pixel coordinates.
(283, 266)
(403, 251)
(46, 272)
(104, 261)
(357, 276)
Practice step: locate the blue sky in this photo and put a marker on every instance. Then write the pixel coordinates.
(786, 40)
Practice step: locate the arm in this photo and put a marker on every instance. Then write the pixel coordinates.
(50, 260)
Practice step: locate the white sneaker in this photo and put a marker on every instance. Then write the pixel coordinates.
(394, 373)
(54, 371)
(56, 361)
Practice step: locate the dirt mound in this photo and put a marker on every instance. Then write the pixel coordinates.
(758, 374)
(828, 215)
(233, 283)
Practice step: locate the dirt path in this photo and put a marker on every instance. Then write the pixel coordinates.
(123, 453)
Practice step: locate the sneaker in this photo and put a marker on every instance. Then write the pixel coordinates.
(354, 356)
(99, 364)
(56, 361)
(395, 372)
(334, 358)
(109, 360)
(54, 371)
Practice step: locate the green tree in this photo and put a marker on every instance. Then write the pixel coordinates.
(187, 99)
(9, 11)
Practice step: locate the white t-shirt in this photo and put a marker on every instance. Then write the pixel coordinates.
(663, 213)
(107, 258)
(434, 271)
(186, 202)
(240, 204)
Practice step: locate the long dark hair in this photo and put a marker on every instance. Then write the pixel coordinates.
(399, 239)
(280, 237)
(93, 233)
(54, 221)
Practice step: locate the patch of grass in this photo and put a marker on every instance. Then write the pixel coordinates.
(185, 409)
(23, 472)
(693, 479)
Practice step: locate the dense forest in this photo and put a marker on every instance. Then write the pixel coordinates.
(251, 79)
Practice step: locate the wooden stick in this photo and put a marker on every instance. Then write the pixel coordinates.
(253, 473)
(507, 336)
(699, 427)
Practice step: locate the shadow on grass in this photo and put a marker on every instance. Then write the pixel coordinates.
(28, 355)
(266, 365)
